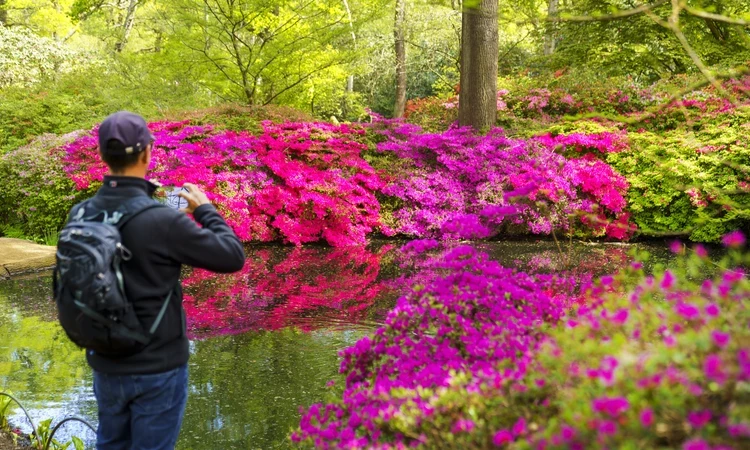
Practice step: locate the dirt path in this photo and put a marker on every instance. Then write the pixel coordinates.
(18, 256)
(6, 443)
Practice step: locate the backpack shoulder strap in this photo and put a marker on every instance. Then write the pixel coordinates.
(78, 212)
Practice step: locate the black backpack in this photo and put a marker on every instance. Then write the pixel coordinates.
(88, 284)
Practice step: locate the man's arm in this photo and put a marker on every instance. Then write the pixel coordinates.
(214, 247)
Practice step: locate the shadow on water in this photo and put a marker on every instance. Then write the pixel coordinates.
(264, 340)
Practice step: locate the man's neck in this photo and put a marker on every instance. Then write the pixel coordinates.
(129, 173)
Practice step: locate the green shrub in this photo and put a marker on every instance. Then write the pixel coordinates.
(692, 182)
(37, 194)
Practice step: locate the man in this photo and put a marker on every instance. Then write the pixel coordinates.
(141, 398)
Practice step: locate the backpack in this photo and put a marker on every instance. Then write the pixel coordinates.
(88, 284)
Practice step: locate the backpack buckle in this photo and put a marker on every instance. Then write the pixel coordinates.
(125, 254)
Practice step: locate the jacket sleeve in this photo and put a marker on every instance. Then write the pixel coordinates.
(214, 247)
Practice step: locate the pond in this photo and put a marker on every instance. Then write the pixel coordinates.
(264, 342)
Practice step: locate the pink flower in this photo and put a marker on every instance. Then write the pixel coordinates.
(699, 419)
(696, 444)
(712, 309)
(647, 417)
(712, 368)
(739, 430)
(520, 427)
(502, 437)
(700, 251)
(677, 247)
(720, 338)
(688, 311)
(607, 427)
(620, 317)
(734, 239)
(612, 406)
(463, 425)
(668, 281)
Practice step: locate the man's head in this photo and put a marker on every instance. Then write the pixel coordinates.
(125, 144)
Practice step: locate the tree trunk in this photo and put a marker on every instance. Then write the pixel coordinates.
(127, 25)
(477, 101)
(350, 78)
(551, 34)
(400, 47)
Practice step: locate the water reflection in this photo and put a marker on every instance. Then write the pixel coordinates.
(265, 340)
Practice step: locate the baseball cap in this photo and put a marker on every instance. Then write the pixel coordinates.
(129, 129)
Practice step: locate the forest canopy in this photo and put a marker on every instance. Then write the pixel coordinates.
(336, 57)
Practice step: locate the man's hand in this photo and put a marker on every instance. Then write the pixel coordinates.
(194, 196)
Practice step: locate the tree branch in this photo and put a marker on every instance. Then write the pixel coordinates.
(603, 18)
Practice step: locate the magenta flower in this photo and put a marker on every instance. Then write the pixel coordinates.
(688, 311)
(734, 239)
(720, 338)
(620, 317)
(712, 368)
(739, 430)
(647, 417)
(712, 309)
(677, 247)
(612, 406)
(519, 428)
(696, 444)
(699, 419)
(607, 428)
(463, 426)
(668, 281)
(700, 251)
(502, 437)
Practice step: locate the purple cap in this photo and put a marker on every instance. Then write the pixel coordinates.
(128, 128)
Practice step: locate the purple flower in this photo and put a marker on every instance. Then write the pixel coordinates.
(463, 425)
(712, 368)
(677, 247)
(739, 430)
(502, 437)
(696, 444)
(688, 311)
(612, 406)
(712, 309)
(647, 417)
(699, 419)
(700, 251)
(734, 239)
(620, 317)
(720, 338)
(668, 281)
(607, 427)
(520, 427)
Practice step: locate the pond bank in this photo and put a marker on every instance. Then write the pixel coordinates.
(18, 256)
(6, 443)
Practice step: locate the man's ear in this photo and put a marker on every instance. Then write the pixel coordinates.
(146, 157)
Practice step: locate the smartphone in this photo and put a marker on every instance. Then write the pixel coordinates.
(173, 197)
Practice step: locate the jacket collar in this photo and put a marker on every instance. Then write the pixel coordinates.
(121, 185)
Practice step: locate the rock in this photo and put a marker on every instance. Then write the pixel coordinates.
(18, 256)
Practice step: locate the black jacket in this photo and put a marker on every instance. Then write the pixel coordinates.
(161, 240)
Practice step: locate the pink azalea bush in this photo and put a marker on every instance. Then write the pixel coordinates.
(307, 182)
(458, 184)
(481, 356)
(298, 182)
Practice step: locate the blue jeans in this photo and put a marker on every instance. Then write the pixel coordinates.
(140, 412)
